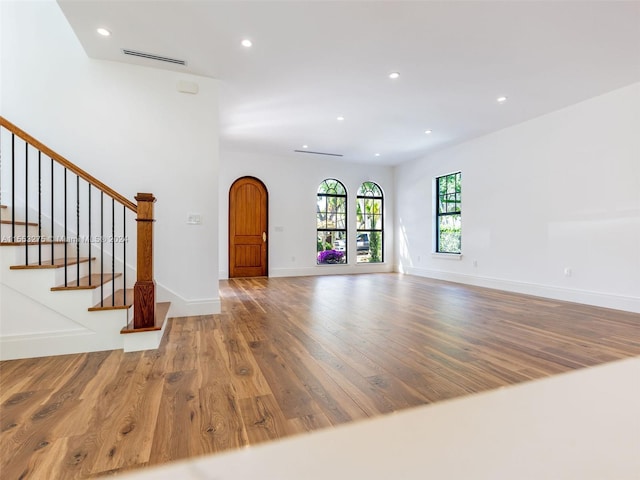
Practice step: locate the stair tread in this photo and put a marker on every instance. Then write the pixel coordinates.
(13, 244)
(9, 222)
(162, 309)
(110, 303)
(96, 281)
(57, 263)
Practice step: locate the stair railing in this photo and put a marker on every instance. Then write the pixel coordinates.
(43, 184)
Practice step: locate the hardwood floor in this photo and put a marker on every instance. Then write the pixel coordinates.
(287, 356)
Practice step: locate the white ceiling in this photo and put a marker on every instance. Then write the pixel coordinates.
(313, 61)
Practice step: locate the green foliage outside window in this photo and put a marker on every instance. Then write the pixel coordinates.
(375, 247)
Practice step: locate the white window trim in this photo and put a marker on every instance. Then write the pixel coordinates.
(447, 256)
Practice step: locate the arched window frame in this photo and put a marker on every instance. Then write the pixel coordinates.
(370, 223)
(331, 222)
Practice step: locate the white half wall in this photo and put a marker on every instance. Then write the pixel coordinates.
(559, 193)
(292, 182)
(129, 127)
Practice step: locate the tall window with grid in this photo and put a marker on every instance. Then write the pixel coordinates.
(369, 213)
(449, 214)
(331, 222)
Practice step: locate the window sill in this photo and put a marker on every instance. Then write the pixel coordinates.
(447, 256)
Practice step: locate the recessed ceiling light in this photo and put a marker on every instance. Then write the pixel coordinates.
(394, 75)
(305, 146)
(428, 132)
(340, 118)
(103, 31)
(501, 99)
(376, 154)
(246, 43)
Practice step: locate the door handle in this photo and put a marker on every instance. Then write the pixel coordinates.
(264, 236)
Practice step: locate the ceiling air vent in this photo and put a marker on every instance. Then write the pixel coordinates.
(150, 56)
(320, 153)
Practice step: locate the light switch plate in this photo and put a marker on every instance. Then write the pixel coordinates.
(194, 219)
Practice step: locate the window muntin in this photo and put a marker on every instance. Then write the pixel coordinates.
(331, 222)
(449, 214)
(370, 224)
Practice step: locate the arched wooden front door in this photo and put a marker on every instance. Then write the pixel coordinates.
(248, 222)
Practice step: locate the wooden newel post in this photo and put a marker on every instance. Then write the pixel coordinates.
(145, 287)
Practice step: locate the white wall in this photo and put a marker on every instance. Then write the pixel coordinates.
(129, 127)
(292, 183)
(559, 191)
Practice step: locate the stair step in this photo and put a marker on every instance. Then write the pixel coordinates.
(85, 284)
(162, 309)
(9, 222)
(18, 244)
(57, 263)
(110, 304)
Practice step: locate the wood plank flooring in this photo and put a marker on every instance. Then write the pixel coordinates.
(288, 356)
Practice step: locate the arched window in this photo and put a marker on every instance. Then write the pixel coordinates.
(370, 238)
(331, 222)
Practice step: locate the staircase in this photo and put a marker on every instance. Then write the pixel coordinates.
(76, 258)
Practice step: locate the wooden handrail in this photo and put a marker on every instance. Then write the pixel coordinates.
(144, 301)
(68, 165)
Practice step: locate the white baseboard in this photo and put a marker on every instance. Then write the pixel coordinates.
(324, 270)
(182, 307)
(202, 307)
(606, 300)
(332, 270)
